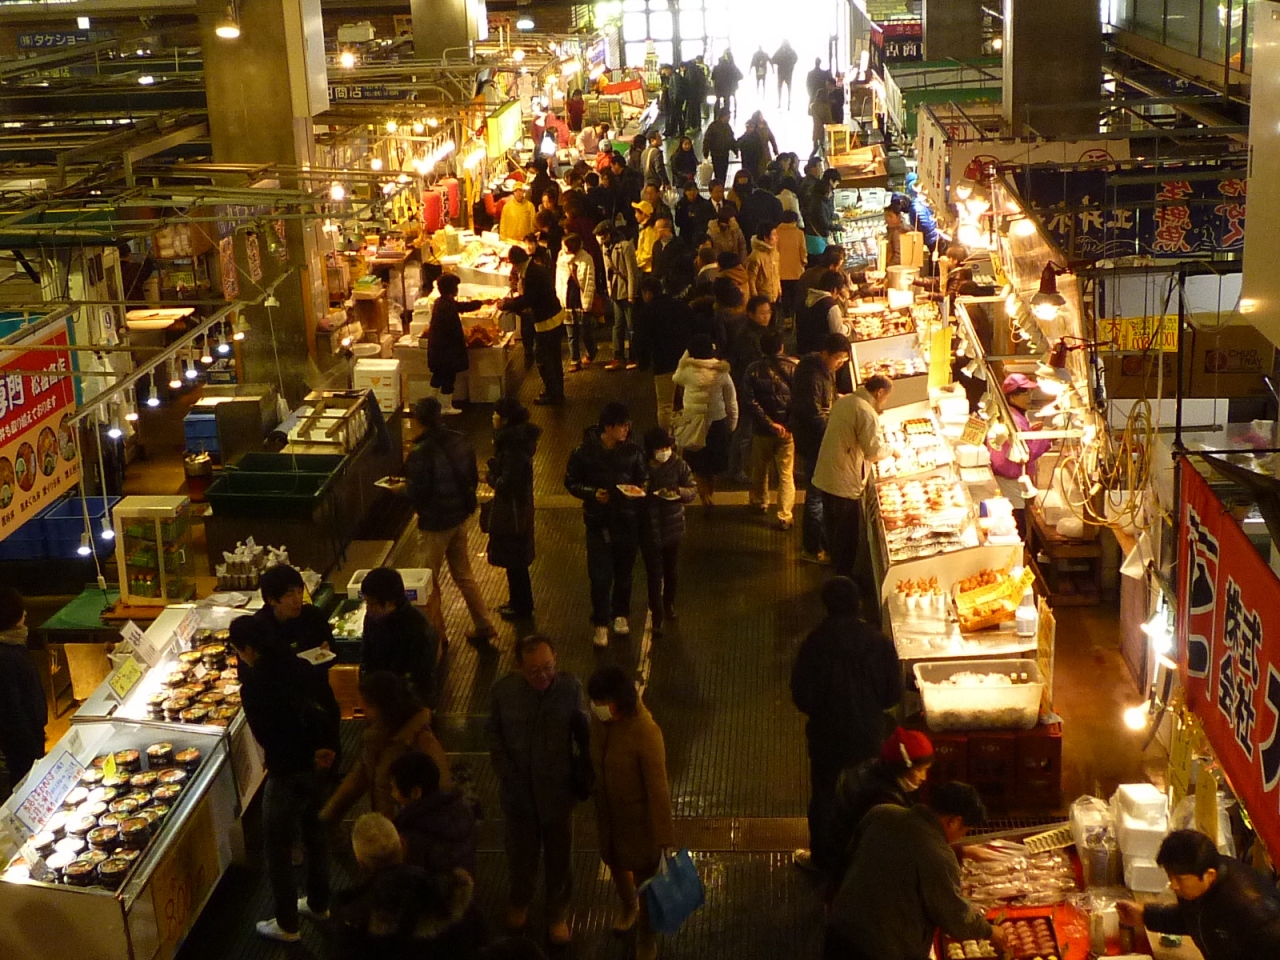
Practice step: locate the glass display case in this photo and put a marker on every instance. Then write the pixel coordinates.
(153, 550)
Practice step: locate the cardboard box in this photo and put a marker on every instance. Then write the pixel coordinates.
(1135, 376)
(383, 378)
(1229, 360)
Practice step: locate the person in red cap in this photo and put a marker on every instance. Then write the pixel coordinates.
(895, 776)
(845, 676)
(1017, 392)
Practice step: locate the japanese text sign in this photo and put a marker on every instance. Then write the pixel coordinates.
(1229, 637)
(45, 797)
(37, 440)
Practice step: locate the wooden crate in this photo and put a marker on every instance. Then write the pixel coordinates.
(344, 679)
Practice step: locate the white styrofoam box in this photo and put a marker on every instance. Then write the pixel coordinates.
(1142, 801)
(417, 584)
(1140, 838)
(485, 389)
(418, 327)
(488, 361)
(413, 358)
(971, 455)
(361, 32)
(1144, 875)
(383, 378)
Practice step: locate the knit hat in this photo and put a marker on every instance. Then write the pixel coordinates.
(905, 748)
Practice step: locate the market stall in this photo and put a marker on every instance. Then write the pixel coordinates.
(115, 842)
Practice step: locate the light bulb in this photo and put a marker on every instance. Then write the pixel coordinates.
(337, 192)
(963, 191)
(146, 80)
(346, 59)
(1023, 227)
(524, 23)
(228, 27)
(223, 347)
(84, 549)
(375, 163)
(153, 401)
(131, 416)
(432, 122)
(419, 127)
(1045, 312)
(114, 432)
(191, 371)
(108, 532)
(175, 378)
(206, 356)
(392, 126)
(517, 55)
(241, 328)
(1136, 718)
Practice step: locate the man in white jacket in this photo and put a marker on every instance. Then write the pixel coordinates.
(849, 446)
(622, 284)
(576, 288)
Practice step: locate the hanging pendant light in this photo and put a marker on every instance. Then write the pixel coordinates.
(228, 27)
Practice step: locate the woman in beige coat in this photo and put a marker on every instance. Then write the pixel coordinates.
(396, 722)
(633, 800)
(762, 264)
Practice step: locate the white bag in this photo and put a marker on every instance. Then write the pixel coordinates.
(689, 429)
(706, 173)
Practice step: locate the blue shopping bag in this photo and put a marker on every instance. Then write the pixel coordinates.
(673, 893)
(814, 245)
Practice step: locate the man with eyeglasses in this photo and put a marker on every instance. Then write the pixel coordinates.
(538, 738)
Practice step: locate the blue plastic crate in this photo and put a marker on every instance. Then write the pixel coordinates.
(65, 519)
(19, 547)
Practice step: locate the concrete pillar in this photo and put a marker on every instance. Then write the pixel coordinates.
(952, 29)
(441, 26)
(1052, 58)
(263, 89)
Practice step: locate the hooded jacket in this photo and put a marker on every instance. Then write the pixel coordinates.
(708, 389)
(593, 466)
(621, 271)
(1237, 918)
(820, 315)
(439, 832)
(517, 220)
(813, 391)
(763, 270)
(663, 521)
(510, 474)
(406, 913)
(532, 738)
(850, 444)
(766, 393)
(23, 711)
(727, 238)
(632, 796)
(902, 887)
(380, 747)
(441, 475)
(792, 253)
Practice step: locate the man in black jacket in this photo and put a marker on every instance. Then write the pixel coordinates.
(286, 617)
(666, 325)
(544, 323)
(693, 212)
(397, 635)
(441, 479)
(845, 676)
(294, 716)
(672, 258)
(766, 396)
(1228, 910)
(759, 206)
(23, 712)
(718, 142)
(812, 393)
(607, 472)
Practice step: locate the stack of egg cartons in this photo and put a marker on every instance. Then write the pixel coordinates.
(1142, 821)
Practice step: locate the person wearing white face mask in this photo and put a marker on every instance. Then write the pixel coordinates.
(671, 486)
(23, 713)
(632, 796)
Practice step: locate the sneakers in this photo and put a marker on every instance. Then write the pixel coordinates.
(601, 638)
(621, 627)
(304, 909)
(272, 930)
(614, 365)
(575, 367)
(632, 365)
(447, 408)
(819, 557)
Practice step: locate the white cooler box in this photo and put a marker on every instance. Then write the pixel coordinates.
(383, 378)
(417, 584)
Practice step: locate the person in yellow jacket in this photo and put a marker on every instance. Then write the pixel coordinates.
(762, 264)
(517, 220)
(647, 236)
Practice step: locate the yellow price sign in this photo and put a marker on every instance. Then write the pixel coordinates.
(975, 432)
(185, 877)
(125, 678)
(109, 766)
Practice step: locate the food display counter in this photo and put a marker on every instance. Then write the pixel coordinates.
(481, 259)
(115, 841)
(189, 684)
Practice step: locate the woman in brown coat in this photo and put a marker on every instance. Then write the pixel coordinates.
(396, 722)
(633, 801)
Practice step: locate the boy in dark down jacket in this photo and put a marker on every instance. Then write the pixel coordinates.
(670, 487)
(437, 827)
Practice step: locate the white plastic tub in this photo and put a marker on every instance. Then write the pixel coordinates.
(986, 707)
(417, 584)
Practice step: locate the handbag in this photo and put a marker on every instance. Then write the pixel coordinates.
(689, 430)
(673, 893)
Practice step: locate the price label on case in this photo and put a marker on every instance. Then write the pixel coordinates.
(124, 679)
(975, 432)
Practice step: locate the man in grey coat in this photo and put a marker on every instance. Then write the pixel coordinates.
(538, 738)
(903, 884)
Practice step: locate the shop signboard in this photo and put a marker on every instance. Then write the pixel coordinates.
(1095, 213)
(53, 39)
(37, 439)
(1229, 648)
(503, 129)
(903, 41)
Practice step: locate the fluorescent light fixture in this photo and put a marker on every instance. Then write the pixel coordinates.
(524, 23)
(146, 80)
(82, 23)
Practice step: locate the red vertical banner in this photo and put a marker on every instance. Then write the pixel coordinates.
(1229, 642)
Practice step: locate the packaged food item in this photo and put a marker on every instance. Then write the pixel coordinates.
(160, 754)
(111, 872)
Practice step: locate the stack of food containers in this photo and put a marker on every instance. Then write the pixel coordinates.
(1142, 821)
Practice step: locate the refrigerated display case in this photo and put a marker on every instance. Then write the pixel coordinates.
(54, 900)
(153, 550)
(184, 629)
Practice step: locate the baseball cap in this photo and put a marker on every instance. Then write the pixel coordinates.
(645, 207)
(1016, 382)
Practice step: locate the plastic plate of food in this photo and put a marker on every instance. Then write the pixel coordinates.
(318, 656)
(631, 490)
(669, 495)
